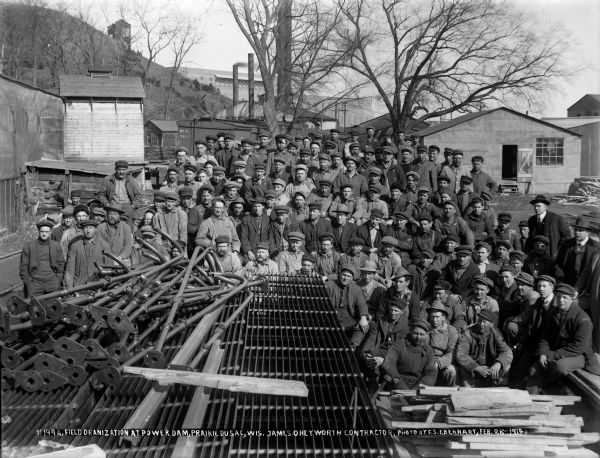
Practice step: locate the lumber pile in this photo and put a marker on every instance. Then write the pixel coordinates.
(491, 422)
(585, 186)
(588, 383)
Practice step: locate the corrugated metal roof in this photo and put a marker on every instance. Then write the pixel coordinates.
(87, 167)
(165, 126)
(569, 123)
(122, 87)
(470, 116)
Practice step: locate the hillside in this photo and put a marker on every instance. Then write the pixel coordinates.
(40, 43)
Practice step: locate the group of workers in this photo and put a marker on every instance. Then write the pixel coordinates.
(429, 283)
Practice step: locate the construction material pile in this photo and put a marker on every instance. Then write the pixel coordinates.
(498, 422)
(583, 190)
(100, 328)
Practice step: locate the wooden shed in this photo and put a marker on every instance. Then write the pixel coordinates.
(161, 133)
(103, 117)
(539, 156)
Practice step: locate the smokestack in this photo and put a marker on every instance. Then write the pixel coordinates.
(250, 85)
(235, 87)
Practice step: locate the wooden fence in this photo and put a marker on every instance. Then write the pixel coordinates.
(10, 208)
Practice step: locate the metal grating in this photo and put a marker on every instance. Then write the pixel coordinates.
(290, 332)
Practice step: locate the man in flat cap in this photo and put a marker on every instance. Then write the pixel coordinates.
(551, 225)
(343, 231)
(42, 263)
(264, 144)
(301, 182)
(422, 206)
(261, 265)
(172, 180)
(141, 253)
(452, 303)
(538, 261)
(450, 223)
(391, 171)
(246, 155)
(217, 224)
(257, 185)
(116, 233)
(481, 258)
(189, 180)
(406, 157)
(328, 260)
(66, 222)
(230, 193)
(443, 338)
(373, 290)
(481, 180)
(432, 154)
(503, 231)
(230, 262)
(483, 358)
(370, 139)
(401, 288)
(83, 253)
(507, 294)
(225, 155)
(354, 255)
(324, 171)
(123, 189)
(426, 237)
(371, 232)
(410, 362)
(203, 154)
(425, 168)
(314, 227)
(455, 170)
(81, 213)
(335, 137)
(278, 171)
(425, 271)
(478, 299)
(322, 195)
(281, 151)
(566, 341)
(461, 270)
(279, 228)
(576, 253)
(352, 177)
(173, 221)
(254, 229)
(465, 195)
(388, 262)
(357, 206)
(289, 261)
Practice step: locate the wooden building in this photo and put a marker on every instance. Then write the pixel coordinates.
(588, 105)
(103, 117)
(161, 133)
(540, 156)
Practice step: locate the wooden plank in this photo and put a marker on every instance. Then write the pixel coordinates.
(558, 430)
(560, 420)
(587, 389)
(436, 390)
(482, 400)
(583, 438)
(556, 399)
(521, 411)
(233, 383)
(593, 380)
(416, 425)
(439, 452)
(498, 422)
(422, 407)
(515, 445)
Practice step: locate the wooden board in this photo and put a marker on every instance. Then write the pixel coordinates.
(520, 411)
(593, 380)
(556, 430)
(233, 383)
(483, 400)
(422, 407)
(498, 422)
(583, 438)
(556, 399)
(439, 452)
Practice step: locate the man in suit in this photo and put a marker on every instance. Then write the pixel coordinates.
(371, 232)
(343, 231)
(42, 263)
(255, 229)
(576, 253)
(549, 224)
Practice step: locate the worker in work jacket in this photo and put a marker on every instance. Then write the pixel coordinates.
(122, 188)
(83, 254)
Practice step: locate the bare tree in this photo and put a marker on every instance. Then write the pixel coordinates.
(295, 53)
(430, 59)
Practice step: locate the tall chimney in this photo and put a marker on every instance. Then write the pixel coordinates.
(250, 85)
(235, 88)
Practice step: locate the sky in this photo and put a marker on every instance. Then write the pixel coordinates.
(223, 45)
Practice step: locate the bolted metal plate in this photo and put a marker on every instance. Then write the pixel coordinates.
(120, 352)
(37, 313)
(53, 308)
(29, 380)
(78, 315)
(99, 314)
(52, 381)
(117, 320)
(46, 362)
(95, 351)
(102, 363)
(16, 305)
(75, 374)
(10, 358)
(110, 376)
(155, 359)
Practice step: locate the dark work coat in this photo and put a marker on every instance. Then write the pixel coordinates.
(313, 232)
(411, 363)
(384, 334)
(555, 227)
(30, 262)
(277, 237)
(363, 233)
(251, 233)
(462, 284)
(341, 241)
(566, 259)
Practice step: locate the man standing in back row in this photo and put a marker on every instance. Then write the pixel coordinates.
(123, 189)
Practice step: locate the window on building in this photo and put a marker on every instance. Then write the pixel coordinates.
(549, 151)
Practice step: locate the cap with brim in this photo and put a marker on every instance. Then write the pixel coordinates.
(246, 141)
(231, 184)
(282, 209)
(171, 195)
(99, 211)
(349, 268)
(443, 178)
(44, 223)
(238, 177)
(222, 239)
(325, 237)
(89, 222)
(287, 138)
(375, 171)
(190, 167)
(442, 285)
(482, 280)
(427, 253)
(547, 278)
(464, 250)
(304, 152)
(482, 244)
(341, 208)
(296, 236)
(172, 169)
(397, 302)
(351, 158)
(218, 169)
(541, 238)
(301, 167)
(278, 181)
(540, 198)
(335, 154)
(418, 323)
(485, 195)
(518, 255)
(329, 144)
(408, 149)
(356, 241)
(67, 211)
(147, 230)
(377, 213)
(259, 167)
(369, 266)
(259, 200)
(325, 157)
(207, 187)
(525, 278)
(422, 149)
(415, 175)
(324, 182)
(565, 290)
(375, 189)
(401, 216)
(121, 163)
(503, 243)
(387, 150)
(81, 208)
(315, 206)
(425, 217)
(458, 152)
(396, 185)
(402, 272)
(466, 179)
(452, 237)
(236, 201)
(229, 136)
(270, 194)
(508, 268)
(239, 164)
(435, 147)
(437, 306)
(423, 189)
(506, 217)
(308, 257)
(159, 196)
(280, 159)
(488, 315)
(523, 224)
(262, 246)
(185, 192)
(299, 193)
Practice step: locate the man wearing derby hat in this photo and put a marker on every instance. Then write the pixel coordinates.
(123, 189)
(576, 253)
(483, 358)
(42, 263)
(410, 362)
(548, 224)
(566, 341)
(443, 338)
(116, 233)
(83, 253)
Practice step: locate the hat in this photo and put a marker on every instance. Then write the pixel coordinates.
(402, 272)
(221, 134)
(387, 150)
(159, 196)
(278, 181)
(375, 171)
(406, 148)
(375, 188)
(369, 150)
(443, 178)
(237, 164)
(172, 168)
(237, 176)
(330, 144)
(121, 163)
(457, 152)
(263, 134)
(484, 245)
(67, 212)
(452, 237)
(485, 195)
(421, 324)
(229, 135)
(396, 185)
(207, 187)
(517, 255)
(376, 213)
(547, 278)
(482, 280)
(171, 195)
(181, 148)
(582, 223)
(541, 238)
(301, 167)
(325, 157)
(270, 194)
(443, 285)
(211, 137)
(425, 217)
(351, 158)
(99, 211)
(505, 243)
(262, 246)
(296, 236)
(508, 268)
(398, 302)
(237, 200)
(448, 150)
(488, 315)
(335, 154)
(435, 147)
(258, 200)
(354, 145)
(89, 222)
(76, 193)
(279, 158)
(464, 249)
(348, 267)
(147, 230)
(540, 198)
(246, 141)
(281, 209)
(222, 239)
(524, 278)
(477, 158)
(369, 127)
(466, 179)
(506, 217)
(44, 223)
(325, 237)
(422, 148)
(356, 241)
(325, 182)
(334, 131)
(259, 166)
(341, 208)
(299, 193)
(315, 206)
(230, 184)
(565, 290)
(523, 224)
(388, 240)
(308, 257)
(185, 192)
(427, 253)
(423, 189)
(369, 266)
(414, 174)
(437, 306)
(81, 208)
(304, 152)
(191, 167)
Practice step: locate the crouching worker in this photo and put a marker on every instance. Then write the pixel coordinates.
(384, 334)
(482, 356)
(442, 338)
(410, 362)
